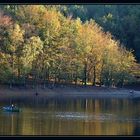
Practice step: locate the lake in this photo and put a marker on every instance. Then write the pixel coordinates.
(72, 116)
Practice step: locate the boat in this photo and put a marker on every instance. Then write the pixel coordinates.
(11, 109)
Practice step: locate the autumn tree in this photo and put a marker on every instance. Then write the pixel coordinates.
(44, 44)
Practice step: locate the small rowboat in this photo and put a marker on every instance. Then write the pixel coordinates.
(11, 109)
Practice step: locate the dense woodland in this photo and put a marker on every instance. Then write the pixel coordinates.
(121, 20)
(74, 44)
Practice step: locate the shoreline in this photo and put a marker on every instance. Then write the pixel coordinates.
(83, 92)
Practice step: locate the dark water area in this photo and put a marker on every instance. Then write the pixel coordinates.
(72, 116)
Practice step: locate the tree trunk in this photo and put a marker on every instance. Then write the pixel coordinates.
(101, 74)
(122, 81)
(48, 76)
(85, 74)
(37, 81)
(59, 77)
(76, 76)
(34, 75)
(24, 79)
(12, 80)
(94, 75)
(18, 70)
(44, 79)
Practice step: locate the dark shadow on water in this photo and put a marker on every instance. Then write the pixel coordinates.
(136, 131)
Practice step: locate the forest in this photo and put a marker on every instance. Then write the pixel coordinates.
(69, 44)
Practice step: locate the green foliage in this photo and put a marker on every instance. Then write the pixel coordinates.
(32, 48)
(40, 44)
(121, 20)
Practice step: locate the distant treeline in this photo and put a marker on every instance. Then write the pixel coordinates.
(39, 44)
(121, 20)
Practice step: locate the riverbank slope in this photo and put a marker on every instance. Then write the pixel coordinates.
(69, 91)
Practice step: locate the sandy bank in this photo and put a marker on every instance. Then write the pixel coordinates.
(93, 92)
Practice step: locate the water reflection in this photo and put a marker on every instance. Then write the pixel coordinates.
(83, 116)
(137, 129)
(78, 116)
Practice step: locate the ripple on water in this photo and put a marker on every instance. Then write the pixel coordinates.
(83, 116)
(75, 116)
(93, 117)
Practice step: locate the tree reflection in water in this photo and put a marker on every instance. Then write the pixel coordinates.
(72, 116)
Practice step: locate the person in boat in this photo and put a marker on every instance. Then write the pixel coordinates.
(131, 92)
(13, 106)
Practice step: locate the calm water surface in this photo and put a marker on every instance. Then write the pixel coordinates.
(73, 116)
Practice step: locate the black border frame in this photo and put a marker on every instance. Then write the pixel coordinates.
(71, 2)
